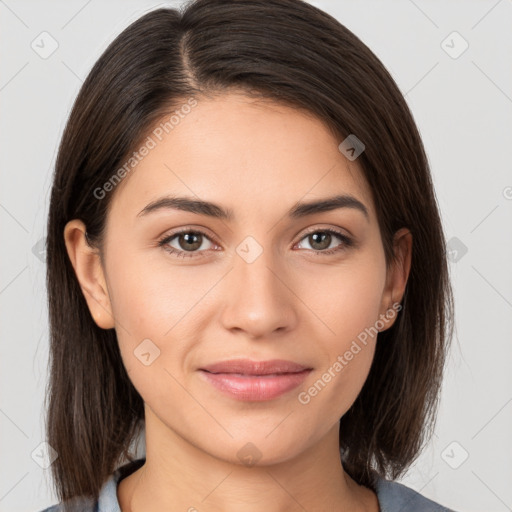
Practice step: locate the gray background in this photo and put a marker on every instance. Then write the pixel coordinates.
(463, 107)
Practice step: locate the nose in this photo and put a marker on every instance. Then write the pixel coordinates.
(259, 299)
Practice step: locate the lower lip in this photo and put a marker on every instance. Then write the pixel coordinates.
(255, 387)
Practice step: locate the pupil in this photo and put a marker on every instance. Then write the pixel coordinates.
(188, 237)
(323, 236)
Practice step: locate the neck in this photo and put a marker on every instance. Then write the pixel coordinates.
(180, 476)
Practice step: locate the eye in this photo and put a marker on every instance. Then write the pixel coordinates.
(188, 242)
(321, 240)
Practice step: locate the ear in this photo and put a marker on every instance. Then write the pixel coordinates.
(89, 272)
(397, 276)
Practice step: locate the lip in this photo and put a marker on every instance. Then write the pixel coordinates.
(244, 379)
(250, 367)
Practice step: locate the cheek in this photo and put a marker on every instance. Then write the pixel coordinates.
(346, 298)
(150, 295)
(157, 307)
(347, 301)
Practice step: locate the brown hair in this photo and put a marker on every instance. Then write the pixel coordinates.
(283, 50)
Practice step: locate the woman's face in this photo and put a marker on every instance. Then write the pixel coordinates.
(262, 284)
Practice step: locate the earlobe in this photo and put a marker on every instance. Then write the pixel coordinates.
(397, 277)
(89, 272)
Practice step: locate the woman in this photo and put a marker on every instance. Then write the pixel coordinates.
(246, 260)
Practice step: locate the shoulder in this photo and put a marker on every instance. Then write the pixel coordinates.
(394, 496)
(107, 500)
(74, 505)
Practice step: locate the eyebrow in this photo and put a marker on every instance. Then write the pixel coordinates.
(299, 210)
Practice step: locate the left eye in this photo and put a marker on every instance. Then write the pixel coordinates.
(321, 236)
(191, 241)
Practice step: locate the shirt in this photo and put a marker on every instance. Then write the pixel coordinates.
(392, 496)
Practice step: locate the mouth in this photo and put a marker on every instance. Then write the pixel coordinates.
(252, 374)
(256, 368)
(255, 380)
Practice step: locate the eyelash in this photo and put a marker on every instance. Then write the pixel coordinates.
(347, 243)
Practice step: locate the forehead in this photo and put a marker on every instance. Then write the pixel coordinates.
(242, 153)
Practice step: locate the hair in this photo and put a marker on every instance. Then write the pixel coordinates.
(285, 51)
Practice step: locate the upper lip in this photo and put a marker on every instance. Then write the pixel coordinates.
(249, 367)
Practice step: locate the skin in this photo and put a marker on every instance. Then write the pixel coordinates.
(292, 302)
